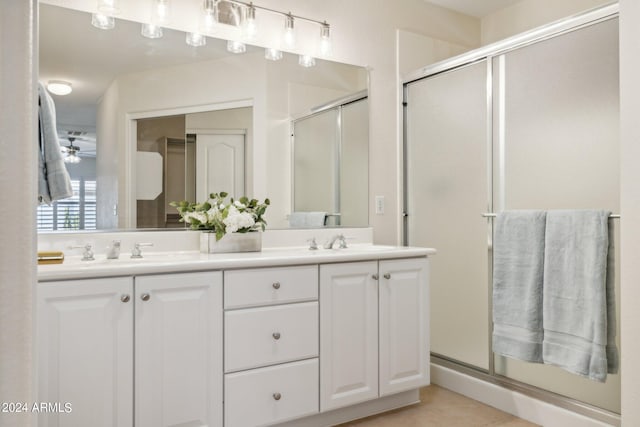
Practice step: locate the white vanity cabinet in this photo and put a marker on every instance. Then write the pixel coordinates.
(178, 353)
(87, 332)
(374, 327)
(85, 352)
(271, 345)
(286, 338)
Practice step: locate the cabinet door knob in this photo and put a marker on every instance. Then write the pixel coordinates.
(276, 285)
(374, 276)
(387, 276)
(125, 298)
(276, 335)
(145, 297)
(277, 396)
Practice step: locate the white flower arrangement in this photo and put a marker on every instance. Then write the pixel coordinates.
(236, 216)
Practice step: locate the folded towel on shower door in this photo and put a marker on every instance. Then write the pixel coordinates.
(578, 288)
(518, 255)
(307, 219)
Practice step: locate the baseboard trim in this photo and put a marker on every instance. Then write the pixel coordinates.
(512, 402)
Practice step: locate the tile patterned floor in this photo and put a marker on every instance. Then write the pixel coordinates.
(440, 407)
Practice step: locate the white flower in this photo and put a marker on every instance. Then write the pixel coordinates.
(187, 217)
(236, 220)
(200, 216)
(239, 205)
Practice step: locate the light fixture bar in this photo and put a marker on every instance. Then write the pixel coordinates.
(315, 21)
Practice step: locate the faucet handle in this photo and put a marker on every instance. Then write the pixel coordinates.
(313, 245)
(136, 252)
(87, 254)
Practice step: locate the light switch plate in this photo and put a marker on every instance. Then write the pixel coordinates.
(379, 205)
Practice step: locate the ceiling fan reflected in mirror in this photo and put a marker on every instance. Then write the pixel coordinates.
(78, 140)
(72, 151)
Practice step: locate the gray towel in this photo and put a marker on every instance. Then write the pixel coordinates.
(53, 179)
(579, 303)
(307, 219)
(518, 255)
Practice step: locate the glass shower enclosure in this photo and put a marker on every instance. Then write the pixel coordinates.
(531, 124)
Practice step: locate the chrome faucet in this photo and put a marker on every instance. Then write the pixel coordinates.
(136, 252)
(87, 253)
(113, 251)
(340, 237)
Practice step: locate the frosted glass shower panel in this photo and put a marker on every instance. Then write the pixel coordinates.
(316, 162)
(559, 149)
(446, 190)
(354, 164)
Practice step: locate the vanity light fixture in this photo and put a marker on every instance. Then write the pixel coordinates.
(289, 31)
(151, 31)
(325, 39)
(59, 87)
(196, 39)
(306, 61)
(272, 54)
(160, 12)
(103, 22)
(250, 25)
(209, 15)
(236, 46)
(108, 7)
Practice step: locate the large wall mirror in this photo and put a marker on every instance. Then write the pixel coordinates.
(140, 104)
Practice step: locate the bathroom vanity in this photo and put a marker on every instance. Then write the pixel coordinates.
(190, 339)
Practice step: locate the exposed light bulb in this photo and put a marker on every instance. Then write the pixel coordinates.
(210, 15)
(151, 31)
(196, 39)
(59, 87)
(250, 25)
(306, 61)
(272, 54)
(289, 32)
(103, 22)
(236, 46)
(161, 11)
(325, 39)
(108, 7)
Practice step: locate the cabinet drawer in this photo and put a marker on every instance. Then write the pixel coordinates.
(264, 286)
(269, 395)
(266, 335)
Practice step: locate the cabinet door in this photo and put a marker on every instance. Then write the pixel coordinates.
(404, 325)
(178, 361)
(348, 334)
(85, 352)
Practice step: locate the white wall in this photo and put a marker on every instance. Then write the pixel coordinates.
(18, 186)
(528, 14)
(630, 202)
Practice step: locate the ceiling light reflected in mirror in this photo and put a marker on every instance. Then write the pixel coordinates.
(59, 87)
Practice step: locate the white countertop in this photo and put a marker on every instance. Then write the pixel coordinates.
(173, 262)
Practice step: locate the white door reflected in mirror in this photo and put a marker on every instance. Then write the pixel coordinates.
(219, 165)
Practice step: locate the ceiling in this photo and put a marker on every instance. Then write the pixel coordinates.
(477, 8)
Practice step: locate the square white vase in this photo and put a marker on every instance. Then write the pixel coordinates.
(231, 242)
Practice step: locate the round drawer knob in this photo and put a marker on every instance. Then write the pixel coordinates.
(276, 285)
(276, 335)
(374, 276)
(387, 276)
(125, 298)
(277, 396)
(145, 297)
